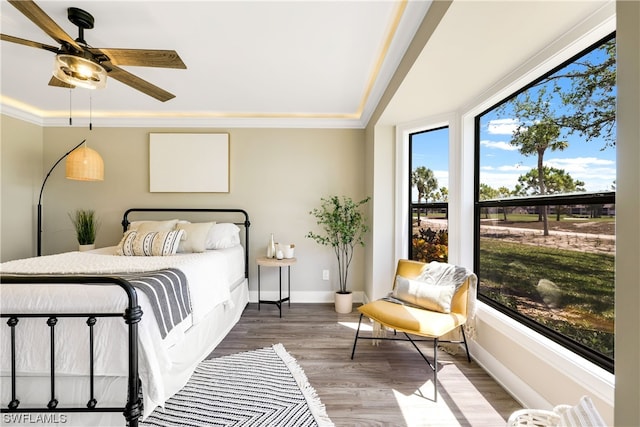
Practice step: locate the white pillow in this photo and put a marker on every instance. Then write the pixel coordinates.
(154, 243)
(147, 226)
(584, 414)
(195, 236)
(222, 236)
(432, 297)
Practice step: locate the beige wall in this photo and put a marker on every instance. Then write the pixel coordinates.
(276, 175)
(627, 346)
(20, 182)
(383, 257)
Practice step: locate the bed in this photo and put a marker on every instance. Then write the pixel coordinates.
(126, 330)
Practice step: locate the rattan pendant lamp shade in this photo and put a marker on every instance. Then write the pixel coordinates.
(85, 164)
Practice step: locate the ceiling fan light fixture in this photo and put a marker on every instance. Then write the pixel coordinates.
(79, 71)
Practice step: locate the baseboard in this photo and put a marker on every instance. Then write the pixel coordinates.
(513, 385)
(302, 297)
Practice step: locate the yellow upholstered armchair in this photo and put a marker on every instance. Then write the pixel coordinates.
(429, 301)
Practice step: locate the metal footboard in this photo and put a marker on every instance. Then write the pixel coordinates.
(132, 315)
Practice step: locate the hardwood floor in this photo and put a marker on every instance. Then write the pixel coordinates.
(387, 385)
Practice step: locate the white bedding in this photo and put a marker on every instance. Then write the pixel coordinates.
(210, 276)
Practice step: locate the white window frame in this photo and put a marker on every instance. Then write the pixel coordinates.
(597, 380)
(457, 254)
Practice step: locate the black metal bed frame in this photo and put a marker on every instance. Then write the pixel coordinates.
(132, 411)
(132, 316)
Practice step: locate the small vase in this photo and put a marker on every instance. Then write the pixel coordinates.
(271, 248)
(344, 302)
(89, 247)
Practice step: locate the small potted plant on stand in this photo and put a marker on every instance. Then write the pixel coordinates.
(86, 224)
(344, 227)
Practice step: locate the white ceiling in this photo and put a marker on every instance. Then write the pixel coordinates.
(299, 63)
(292, 63)
(478, 44)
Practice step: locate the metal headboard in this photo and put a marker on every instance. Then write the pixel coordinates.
(246, 224)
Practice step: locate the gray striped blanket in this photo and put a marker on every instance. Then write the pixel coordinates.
(168, 294)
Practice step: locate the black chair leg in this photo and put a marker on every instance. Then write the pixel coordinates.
(466, 347)
(435, 369)
(434, 366)
(355, 341)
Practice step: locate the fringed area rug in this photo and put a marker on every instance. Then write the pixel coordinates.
(263, 387)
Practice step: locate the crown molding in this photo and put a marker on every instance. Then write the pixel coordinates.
(21, 114)
(129, 121)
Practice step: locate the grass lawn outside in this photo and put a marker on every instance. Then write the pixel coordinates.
(564, 281)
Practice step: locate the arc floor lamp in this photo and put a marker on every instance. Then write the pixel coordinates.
(83, 164)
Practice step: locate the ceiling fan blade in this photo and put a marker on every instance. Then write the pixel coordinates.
(138, 83)
(59, 83)
(25, 42)
(42, 20)
(142, 57)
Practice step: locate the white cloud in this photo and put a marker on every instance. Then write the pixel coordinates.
(500, 179)
(518, 167)
(597, 174)
(498, 145)
(502, 126)
(579, 162)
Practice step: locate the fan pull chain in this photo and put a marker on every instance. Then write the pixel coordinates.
(90, 112)
(70, 120)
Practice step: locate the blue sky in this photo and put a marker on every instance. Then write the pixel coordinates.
(431, 149)
(501, 163)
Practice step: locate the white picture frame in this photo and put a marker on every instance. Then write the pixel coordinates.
(189, 162)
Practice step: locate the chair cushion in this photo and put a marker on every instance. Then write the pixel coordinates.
(411, 319)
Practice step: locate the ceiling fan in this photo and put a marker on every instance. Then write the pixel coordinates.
(78, 64)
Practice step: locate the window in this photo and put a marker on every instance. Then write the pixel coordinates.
(429, 194)
(545, 204)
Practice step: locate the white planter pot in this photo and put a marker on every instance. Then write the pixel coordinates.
(83, 248)
(343, 302)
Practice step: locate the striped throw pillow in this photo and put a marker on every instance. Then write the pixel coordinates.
(584, 414)
(154, 243)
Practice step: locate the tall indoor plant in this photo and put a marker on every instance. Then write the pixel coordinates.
(86, 225)
(344, 227)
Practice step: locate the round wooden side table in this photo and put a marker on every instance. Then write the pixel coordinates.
(274, 262)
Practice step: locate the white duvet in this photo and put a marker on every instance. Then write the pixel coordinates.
(208, 275)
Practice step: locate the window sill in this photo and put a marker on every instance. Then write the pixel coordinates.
(599, 382)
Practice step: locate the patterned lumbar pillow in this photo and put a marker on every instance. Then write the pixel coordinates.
(426, 295)
(154, 243)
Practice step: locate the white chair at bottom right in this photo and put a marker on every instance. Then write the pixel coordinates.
(584, 414)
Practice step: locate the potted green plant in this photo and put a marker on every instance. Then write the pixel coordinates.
(344, 227)
(86, 224)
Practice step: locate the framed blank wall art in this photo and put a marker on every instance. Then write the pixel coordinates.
(189, 162)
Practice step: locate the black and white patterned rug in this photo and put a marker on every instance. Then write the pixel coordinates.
(263, 387)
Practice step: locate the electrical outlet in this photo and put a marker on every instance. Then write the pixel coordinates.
(325, 274)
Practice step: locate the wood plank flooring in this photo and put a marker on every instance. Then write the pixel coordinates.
(385, 385)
